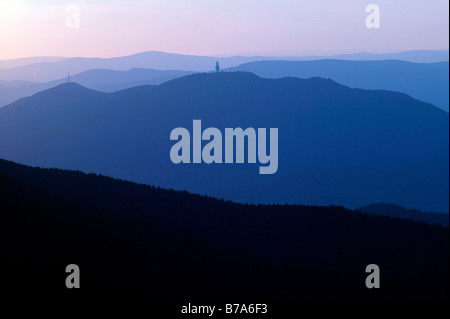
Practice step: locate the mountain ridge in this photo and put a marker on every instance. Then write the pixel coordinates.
(396, 211)
(338, 145)
(48, 71)
(425, 82)
(99, 79)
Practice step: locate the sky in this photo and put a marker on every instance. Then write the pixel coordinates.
(218, 27)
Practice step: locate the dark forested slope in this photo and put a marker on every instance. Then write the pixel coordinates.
(129, 238)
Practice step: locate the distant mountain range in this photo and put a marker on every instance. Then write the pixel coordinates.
(397, 211)
(45, 69)
(101, 80)
(337, 145)
(129, 237)
(428, 82)
(49, 71)
(14, 63)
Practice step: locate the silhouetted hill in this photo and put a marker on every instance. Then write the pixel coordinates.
(397, 211)
(427, 82)
(128, 237)
(101, 80)
(337, 145)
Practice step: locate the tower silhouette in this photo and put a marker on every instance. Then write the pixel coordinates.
(217, 67)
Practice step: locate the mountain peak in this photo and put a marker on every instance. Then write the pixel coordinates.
(68, 89)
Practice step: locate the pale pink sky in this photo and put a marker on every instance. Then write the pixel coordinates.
(208, 27)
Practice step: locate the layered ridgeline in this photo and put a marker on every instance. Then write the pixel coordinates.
(337, 145)
(43, 69)
(427, 82)
(395, 211)
(49, 71)
(97, 79)
(136, 241)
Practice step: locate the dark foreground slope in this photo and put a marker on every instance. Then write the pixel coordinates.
(131, 240)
